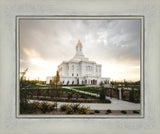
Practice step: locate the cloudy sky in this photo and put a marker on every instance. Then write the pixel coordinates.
(115, 44)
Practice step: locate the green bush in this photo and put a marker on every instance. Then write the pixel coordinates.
(45, 107)
(69, 96)
(27, 108)
(63, 107)
(106, 101)
(123, 112)
(97, 111)
(108, 111)
(102, 93)
(135, 112)
(84, 110)
(35, 106)
(132, 96)
(69, 110)
(74, 109)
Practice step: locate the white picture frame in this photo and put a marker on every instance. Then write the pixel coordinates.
(8, 121)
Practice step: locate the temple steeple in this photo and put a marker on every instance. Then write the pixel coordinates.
(79, 48)
(79, 56)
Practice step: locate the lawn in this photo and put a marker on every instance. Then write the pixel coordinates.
(88, 89)
(69, 91)
(75, 92)
(36, 86)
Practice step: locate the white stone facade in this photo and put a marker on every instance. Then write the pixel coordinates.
(80, 70)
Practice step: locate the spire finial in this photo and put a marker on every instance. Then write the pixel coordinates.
(79, 42)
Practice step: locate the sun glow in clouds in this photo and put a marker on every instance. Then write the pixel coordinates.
(43, 69)
(122, 72)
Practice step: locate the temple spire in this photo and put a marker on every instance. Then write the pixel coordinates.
(79, 42)
(79, 48)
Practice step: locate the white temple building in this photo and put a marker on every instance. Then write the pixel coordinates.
(80, 70)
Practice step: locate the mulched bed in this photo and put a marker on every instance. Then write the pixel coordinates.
(91, 112)
(115, 112)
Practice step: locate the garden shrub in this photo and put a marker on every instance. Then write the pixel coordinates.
(135, 112)
(36, 105)
(27, 108)
(69, 110)
(108, 111)
(63, 107)
(102, 93)
(84, 110)
(51, 107)
(123, 112)
(97, 111)
(74, 109)
(132, 96)
(45, 107)
(69, 95)
(106, 101)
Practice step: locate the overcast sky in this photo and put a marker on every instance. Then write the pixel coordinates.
(115, 44)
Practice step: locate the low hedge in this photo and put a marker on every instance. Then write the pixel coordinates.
(71, 100)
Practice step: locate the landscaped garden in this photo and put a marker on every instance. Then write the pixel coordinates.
(48, 108)
(64, 95)
(55, 99)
